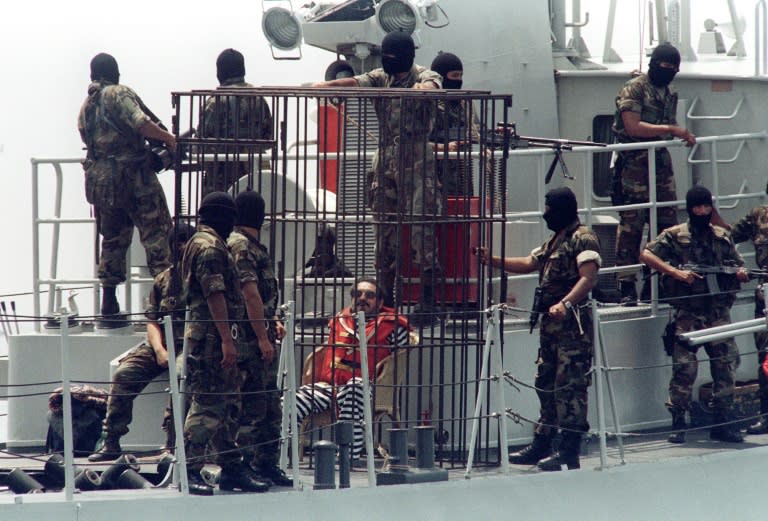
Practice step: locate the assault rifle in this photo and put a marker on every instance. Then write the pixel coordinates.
(717, 280)
(702, 269)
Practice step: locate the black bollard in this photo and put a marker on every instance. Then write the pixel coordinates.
(131, 479)
(54, 470)
(87, 479)
(344, 436)
(109, 477)
(398, 453)
(20, 482)
(325, 454)
(425, 447)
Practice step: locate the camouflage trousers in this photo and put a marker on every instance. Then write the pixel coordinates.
(761, 343)
(563, 374)
(135, 371)
(723, 360)
(403, 190)
(214, 411)
(143, 205)
(261, 415)
(635, 189)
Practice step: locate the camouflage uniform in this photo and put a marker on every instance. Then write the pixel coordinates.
(261, 412)
(140, 366)
(454, 169)
(565, 355)
(243, 117)
(402, 185)
(208, 268)
(654, 106)
(754, 227)
(119, 183)
(677, 245)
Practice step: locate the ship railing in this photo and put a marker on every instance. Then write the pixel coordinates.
(594, 207)
(53, 282)
(761, 38)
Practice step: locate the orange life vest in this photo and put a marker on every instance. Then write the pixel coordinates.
(340, 360)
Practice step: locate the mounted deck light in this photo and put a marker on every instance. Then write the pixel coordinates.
(397, 15)
(282, 28)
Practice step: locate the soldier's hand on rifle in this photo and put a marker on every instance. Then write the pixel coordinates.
(687, 276)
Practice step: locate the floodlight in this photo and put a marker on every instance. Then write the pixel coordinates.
(397, 15)
(282, 28)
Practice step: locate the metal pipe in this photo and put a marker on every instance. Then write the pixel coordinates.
(178, 400)
(761, 45)
(704, 339)
(367, 413)
(35, 244)
(66, 397)
(721, 329)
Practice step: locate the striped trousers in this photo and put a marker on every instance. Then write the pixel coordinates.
(318, 397)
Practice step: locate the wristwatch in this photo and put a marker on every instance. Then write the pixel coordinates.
(567, 304)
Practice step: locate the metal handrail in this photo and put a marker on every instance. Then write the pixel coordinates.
(761, 45)
(730, 116)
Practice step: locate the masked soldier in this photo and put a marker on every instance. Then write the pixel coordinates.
(567, 264)
(147, 361)
(233, 116)
(212, 293)
(754, 227)
(261, 415)
(699, 242)
(403, 183)
(645, 111)
(119, 180)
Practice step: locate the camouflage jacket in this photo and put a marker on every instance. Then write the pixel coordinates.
(457, 115)
(557, 261)
(254, 264)
(654, 105)
(109, 122)
(678, 245)
(406, 117)
(164, 299)
(207, 268)
(244, 116)
(754, 227)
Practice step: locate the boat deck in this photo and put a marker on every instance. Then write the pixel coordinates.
(638, 449)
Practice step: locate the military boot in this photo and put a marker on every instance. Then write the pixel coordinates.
(628, 293)
(110, 310)
(725, 430)
(540, 448)
(109, 450)
(197, 485)
(237, 477)
(273, 474)
(109, 304)
(567, 455)
(678, 425)
(761, 425)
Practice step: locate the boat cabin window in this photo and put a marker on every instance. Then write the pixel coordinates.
(601, 166)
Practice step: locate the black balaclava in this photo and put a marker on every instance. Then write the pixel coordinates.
(658, 75)
(401, 46)
(444, 63)
(562, 208)
(696, 196)
(230, 67)
(104, 68)
(250, 209)
(219, 212)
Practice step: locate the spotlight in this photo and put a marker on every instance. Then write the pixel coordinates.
(282, 28)
(397, 15)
